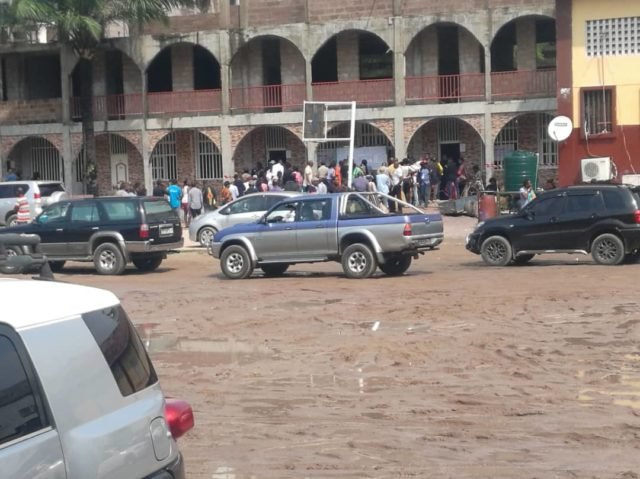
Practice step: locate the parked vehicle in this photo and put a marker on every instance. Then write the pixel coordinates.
(79, 397)
(39, 194)
(110, 232)
(351, 228)
(603, 220)
(245, 209)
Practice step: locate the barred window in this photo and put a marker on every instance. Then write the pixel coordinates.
(613, 36)
(597, 110)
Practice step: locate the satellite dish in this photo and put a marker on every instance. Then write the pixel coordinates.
(560, 128)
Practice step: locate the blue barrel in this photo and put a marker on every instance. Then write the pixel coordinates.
(519, 166)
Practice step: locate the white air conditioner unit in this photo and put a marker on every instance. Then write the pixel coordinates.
(598, 169)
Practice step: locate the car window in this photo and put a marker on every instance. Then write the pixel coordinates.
(121, 210)
(547, 206)
(285, 213)
(590, 203)
(249, 204)
(19, 411)
(122, 349)
(272, 200)
(158, 210)
(47, 189)
(613, 200)
(85, 213)
(357, 206)
(54, 214)
(6, 191)
(315, 210)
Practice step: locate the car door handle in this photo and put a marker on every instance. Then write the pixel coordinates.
(319, 227)
(59, 230)
(289, 228)
(95, 228)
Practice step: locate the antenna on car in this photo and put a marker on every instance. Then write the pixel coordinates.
(22, 254)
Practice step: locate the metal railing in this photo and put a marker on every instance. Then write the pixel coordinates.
(194, 102)
(446, 88)
(366, 92)
(268, 98)
(110, 107)
(523, 84)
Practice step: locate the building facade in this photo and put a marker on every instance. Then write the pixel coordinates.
(211, 94)
(599, 84)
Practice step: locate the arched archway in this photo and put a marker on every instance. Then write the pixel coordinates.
(528, 132)
(264, 144)
(445, 63)
(117, 161)
(186, 155)
(353, 65)
(267, 74)
(370, 143)
(36, 157)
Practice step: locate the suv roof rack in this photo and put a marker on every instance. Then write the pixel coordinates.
(28, 259)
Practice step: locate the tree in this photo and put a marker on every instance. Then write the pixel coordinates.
(81, 24)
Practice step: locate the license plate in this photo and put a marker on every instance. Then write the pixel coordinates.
(424, 242)
(166, 230)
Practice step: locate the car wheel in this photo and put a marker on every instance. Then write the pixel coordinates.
(148, 264)
(108, 259)
(496, 251)
(358, 261)
(607, 249)
(205, 235)
(274, 269)
(396, 265)
(56, 266)
(236, 263)
(523, 259)
(11, 221)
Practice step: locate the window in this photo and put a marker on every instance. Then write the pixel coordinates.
(249, 204)
(47, 189)
(158, 210)
(85, 213)
(358, 207)
(285, 213)
(272, 200)
(506, 143)
(21, 411)
(375, 57)
(122, 349)
(11, 191)
(613, 36)
(577, 204)
(208, 158)
(121, 210)
(164, 160)
(547, 206)
(55, 214)
(598, 111)
(315, 210)
(613, 200)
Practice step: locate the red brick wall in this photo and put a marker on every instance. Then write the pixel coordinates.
(184, 24)
(185, 153)
(18, 112)
(276, 12)
(327, 11)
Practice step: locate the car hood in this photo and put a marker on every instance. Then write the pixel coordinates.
(237, 229)
(499, 221)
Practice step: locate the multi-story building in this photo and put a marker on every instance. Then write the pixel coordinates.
(599, 84)
(210, 94)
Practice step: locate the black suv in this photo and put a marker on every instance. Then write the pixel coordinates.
(108, 231)
(603, 220)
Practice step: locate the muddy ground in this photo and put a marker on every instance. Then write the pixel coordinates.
(471, 372)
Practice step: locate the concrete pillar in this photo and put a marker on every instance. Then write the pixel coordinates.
(67, 60)
(224, 57)
(312, 153)
(398, 136)
(399, 68)
(225, 151)
(67, 159)
(348, 56)
(308, 79)
(526, 41)
(144, 138)
(488, 145)
(182, 67)
(487, 73)
(244, 13)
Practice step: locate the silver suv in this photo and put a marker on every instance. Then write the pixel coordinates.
(39, 194)
(79, 397)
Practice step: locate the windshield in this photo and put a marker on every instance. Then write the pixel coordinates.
(48, 189)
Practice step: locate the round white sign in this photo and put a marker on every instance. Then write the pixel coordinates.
(560, 128)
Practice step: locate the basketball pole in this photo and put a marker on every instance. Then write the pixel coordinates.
(352, 143)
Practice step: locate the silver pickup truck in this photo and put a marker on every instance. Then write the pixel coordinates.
(356, 229)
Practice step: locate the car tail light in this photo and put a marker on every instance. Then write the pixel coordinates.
(179, 416)
(636, 217)
(36, 196)
(144, 231)
(407, 230)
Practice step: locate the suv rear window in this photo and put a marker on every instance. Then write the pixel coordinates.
(614, 200)
(121, 210)
(48, 189)
(158, 210)
(122, 349)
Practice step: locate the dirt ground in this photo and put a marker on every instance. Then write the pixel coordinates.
(455, 370)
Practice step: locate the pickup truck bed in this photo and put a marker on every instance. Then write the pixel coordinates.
(355, 229)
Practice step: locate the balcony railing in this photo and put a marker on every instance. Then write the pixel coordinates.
(445, 88)
(268, 98)
(523, 84)
(184, 102)
(364, 92)
(111, 107)
(22, 112)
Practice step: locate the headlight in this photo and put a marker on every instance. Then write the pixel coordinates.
(479, 225)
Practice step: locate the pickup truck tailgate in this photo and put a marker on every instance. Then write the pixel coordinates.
(425, 224)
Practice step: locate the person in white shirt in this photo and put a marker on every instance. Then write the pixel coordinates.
(234, 191)
(307, 179)
(321, 187)
(278, 168)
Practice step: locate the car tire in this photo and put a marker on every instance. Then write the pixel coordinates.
(205, 235)
(235, 262)
(148, 264)
(523, 259)
(607, 249)
(56, 266)
(108, 260)
(358, 261)
(273, 270)
(496, 251)
(396, 265)
(11, 221)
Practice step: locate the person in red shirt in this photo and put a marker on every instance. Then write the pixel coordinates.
(22, 208)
